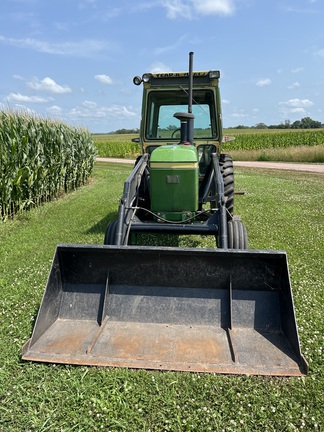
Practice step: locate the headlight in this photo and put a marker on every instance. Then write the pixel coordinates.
(146, 77)
(214, 74)
(137, 80)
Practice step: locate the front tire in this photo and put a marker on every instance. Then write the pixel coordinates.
(227, 170)
(237, 235)
(110, 235)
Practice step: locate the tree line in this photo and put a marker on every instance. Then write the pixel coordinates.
(125, 131)
(304, 123)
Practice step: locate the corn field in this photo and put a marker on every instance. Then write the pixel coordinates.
(120, 145)
(40, 159)
(118, 149)
(277, 139)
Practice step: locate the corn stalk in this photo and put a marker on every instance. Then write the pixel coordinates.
(40, 159)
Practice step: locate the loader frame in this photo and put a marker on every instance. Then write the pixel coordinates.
(211, 190)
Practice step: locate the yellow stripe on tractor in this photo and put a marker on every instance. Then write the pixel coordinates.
(170, 165)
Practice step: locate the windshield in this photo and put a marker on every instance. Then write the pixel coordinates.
(160, 123)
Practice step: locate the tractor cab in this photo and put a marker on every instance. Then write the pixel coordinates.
(166, 94)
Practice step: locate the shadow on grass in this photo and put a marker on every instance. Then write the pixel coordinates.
(146, 239)
(100, 227)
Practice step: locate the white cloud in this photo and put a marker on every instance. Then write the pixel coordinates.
(294, 85)
(89, 104)
(296, 110)
(104, 79)
(55, 110)
(304, 103)
(159, 67)
(84, 48)
(23, 109)
(225, 101)
(18, 77)
(190, 8)
(291, 9)
(263, 82)
(240, 115)
(48, 85)
(295, 106)
(177, 8)
(18, 97)
(91, 110)
(85, 3)
(297, 70)
(214, 7)
(176, 45)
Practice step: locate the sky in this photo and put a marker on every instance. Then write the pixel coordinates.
(74, 60)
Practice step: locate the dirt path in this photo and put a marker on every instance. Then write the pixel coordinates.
(315, 168)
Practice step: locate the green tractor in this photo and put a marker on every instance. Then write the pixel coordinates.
(224, 309)
(182, 184)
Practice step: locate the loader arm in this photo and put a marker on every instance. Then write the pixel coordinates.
(127, 209)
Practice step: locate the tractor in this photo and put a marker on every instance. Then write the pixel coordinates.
(182, 183)
(224, 309)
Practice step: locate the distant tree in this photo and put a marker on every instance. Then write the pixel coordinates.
(304, 123)
(172, 127)
(261, 126)
(308, 123)
(296, 124)
(125, 131)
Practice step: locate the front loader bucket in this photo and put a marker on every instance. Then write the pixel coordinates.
(169, 308)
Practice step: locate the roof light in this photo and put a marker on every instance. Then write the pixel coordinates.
(147, 77)
(137, 80)
(214, 74)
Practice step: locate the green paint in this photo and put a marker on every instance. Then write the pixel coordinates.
(174, 181)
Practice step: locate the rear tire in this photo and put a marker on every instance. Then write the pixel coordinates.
(110, 235)
(237, 235)
(227, 170)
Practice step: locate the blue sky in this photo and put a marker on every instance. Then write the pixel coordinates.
(74, 60)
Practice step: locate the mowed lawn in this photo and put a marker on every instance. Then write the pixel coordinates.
(282, 211)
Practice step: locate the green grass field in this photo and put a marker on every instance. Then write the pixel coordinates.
(282, 210)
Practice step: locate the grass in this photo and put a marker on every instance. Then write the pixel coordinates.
(282, 210)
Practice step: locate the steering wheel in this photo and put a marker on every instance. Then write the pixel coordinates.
(174, 132)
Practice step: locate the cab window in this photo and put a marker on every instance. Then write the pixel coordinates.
(160, 123)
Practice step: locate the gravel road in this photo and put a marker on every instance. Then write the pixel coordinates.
(315, 168)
